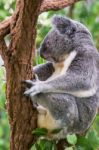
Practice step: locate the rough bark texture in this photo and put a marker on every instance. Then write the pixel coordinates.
(5, 27)
(18, 59)
(55, 4)
(18, 67)
(71, 10)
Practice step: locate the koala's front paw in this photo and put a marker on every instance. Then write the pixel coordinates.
(36, 88)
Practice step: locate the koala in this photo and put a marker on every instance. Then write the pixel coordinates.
(66, 89)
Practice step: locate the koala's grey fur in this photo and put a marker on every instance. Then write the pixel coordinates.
(57, 95)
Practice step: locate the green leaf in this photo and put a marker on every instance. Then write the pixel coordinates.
(40, 131)
(93, 139)
(80, 148)
(2, 142)
(1, 132)
(44, 145)
(55, 131)
(69, 148)
(33, 147)
(90, 141)
(83, 142)
(72, 139)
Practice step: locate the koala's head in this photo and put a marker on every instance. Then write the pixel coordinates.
(59, 42)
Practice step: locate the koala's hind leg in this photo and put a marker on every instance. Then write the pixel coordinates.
(59, 112)
(87, 108)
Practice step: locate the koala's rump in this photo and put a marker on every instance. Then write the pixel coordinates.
(87, 109)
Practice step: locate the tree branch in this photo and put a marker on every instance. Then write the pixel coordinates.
(71, 11)
(3, 51)
(55, 4)
(5, 27)
(22, 115)
(2, 46)
(46, 6)
(4, 30)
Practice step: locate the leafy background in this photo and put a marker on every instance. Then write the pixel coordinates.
(85, 12)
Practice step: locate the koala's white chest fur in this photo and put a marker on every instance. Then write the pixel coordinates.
(62, 67)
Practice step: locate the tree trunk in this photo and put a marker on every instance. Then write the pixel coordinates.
(22, 116)
(18, 63)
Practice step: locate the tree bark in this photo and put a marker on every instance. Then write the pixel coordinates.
(18, 63)
(22, 116)
(55, 4)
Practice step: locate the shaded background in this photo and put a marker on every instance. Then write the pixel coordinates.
(85, 12)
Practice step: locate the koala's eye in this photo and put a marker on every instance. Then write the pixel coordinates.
(62, 30)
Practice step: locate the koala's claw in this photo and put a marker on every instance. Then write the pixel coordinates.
(28, 83)
(36, 77)
(36, 88)
(25, 93)
(28, 92)
(33, 90)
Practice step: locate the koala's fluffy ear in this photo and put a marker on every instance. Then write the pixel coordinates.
(63, 24)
